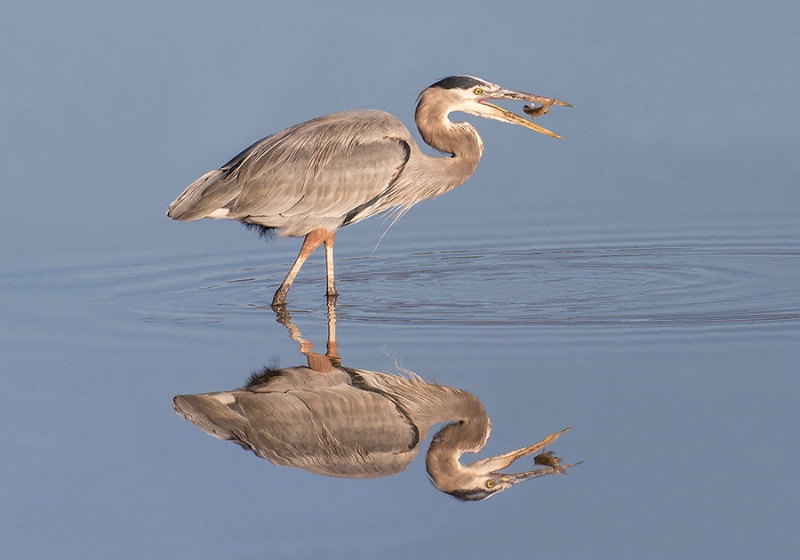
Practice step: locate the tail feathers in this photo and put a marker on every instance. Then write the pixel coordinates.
(203, 198)
(211, 414)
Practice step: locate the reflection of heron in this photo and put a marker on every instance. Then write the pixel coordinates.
(317, 176)
(352, 423)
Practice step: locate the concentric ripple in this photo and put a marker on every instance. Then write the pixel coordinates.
(601, 286)
(692, 285)
(653, 285)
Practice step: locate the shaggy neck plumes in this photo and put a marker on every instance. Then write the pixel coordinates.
(459, 139)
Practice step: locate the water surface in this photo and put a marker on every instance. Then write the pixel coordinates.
(674, 359)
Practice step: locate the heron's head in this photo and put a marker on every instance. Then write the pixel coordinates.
(472, 95)
(483, 479)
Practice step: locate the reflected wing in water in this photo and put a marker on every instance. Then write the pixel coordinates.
(326, 423)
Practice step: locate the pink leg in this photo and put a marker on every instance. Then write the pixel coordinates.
(311, 242)
(329, 265)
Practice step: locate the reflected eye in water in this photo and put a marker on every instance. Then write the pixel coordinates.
(352, 423)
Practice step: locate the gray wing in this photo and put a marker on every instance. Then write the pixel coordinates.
(336, 430)
(310, 175)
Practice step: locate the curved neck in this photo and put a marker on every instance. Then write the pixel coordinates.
(461, 140)
(468, 435)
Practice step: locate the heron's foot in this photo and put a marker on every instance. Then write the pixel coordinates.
(332, 292)
(279, 300)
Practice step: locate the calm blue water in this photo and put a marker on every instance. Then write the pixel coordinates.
(637, 281)
(675, 360)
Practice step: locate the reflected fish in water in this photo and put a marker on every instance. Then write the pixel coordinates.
(353, 423)
(548, 459)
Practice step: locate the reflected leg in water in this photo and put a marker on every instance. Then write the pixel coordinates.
(316, 361)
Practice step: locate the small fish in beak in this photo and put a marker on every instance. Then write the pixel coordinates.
(533, 111)
(548, 459)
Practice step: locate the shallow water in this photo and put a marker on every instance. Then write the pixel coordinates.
(674, 359)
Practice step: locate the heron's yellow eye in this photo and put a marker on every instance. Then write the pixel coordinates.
(477, 91)
(489, 483)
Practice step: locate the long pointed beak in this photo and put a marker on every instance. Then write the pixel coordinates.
(494, 464)
(502, 114)
(522, 477)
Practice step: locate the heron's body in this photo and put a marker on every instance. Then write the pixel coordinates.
(304, 178)
(336, 170)
(358, 424)
(344, 423)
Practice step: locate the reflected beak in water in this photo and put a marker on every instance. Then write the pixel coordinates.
(522, 477)
(494, 465)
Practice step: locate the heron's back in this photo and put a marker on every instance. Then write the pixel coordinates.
(317, 174)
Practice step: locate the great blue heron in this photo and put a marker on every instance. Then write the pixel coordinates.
(352, 423)
(336, 170)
